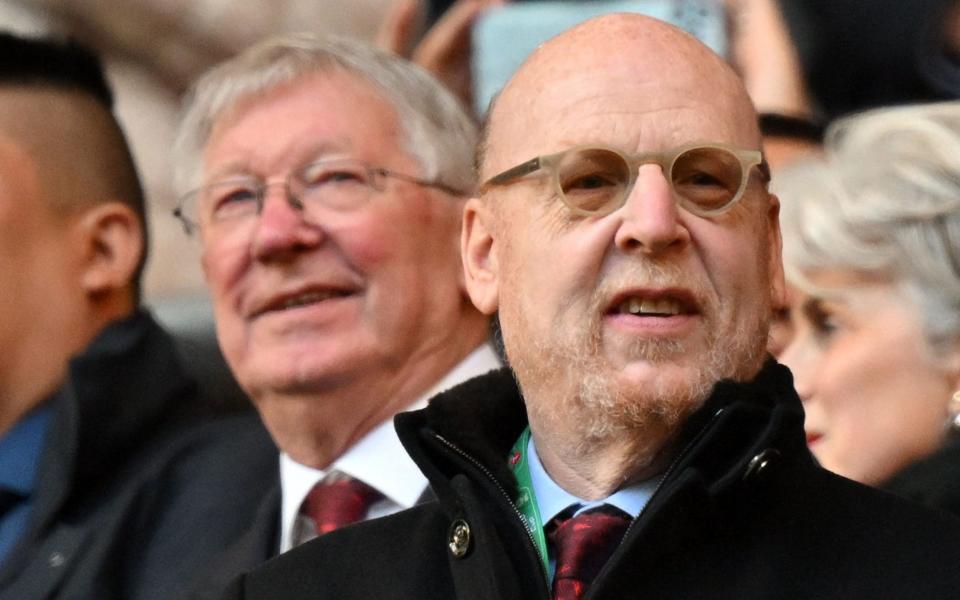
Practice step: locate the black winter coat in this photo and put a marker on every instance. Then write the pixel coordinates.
(744, 512)
(131, 500)
(933, 480)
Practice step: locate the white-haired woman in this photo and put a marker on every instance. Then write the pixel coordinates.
(872, 251)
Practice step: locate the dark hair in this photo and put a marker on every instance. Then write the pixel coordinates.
(69, 66)
(777, 125)
(35, 61)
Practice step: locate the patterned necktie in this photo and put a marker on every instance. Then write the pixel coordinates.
(338, 501)
(582, 546)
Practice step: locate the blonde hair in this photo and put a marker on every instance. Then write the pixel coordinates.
(884, 201)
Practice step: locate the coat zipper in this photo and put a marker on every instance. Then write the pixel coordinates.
(666, 475)
(670, 469)
(506, 496)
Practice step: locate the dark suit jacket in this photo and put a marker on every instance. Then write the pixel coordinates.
(260, 543)
(132, 500)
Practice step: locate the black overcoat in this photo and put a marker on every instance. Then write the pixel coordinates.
(743, 513)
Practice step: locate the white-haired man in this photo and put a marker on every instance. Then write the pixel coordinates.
(327, 185)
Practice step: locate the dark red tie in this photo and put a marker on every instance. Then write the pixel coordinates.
(338, 501)
(582, 545)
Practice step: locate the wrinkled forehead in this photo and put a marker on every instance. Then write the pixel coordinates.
(633, 92)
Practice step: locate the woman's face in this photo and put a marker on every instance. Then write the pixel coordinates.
(875, 398)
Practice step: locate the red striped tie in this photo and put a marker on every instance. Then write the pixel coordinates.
(338, 501)
(582, 546)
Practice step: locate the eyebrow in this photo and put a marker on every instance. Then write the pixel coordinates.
(229, 171)
(315, 152)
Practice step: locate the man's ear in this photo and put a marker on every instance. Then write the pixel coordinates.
(478, 252)
(778, 286)
(112, 240)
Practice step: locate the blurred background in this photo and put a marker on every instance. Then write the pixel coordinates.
(812, 59)
(153, 49)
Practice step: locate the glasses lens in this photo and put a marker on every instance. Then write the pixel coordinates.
(227, 201)
(337, 184)
(706, 179)
(593, 180)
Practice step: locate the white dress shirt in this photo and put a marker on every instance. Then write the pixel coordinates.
(378, 459)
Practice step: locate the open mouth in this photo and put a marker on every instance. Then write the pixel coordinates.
(661, 304)
(306, 298)
(663, 307)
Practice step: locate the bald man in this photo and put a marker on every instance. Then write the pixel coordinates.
(644, 445)
(103, 483)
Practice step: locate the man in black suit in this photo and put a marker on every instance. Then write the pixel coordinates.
(104, 488)
(326, 180)
(644, 445)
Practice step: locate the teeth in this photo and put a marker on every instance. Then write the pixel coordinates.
(308, 298)
(647, 306)
(664, 306)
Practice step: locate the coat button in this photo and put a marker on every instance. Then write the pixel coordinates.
(760, 462)
(459, 541)
(56, 560)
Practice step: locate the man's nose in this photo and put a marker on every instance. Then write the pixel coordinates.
(650, 215)
(282, 227)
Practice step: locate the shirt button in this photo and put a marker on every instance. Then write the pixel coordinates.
(459, 541)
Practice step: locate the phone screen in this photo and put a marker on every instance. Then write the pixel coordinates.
(503, 37)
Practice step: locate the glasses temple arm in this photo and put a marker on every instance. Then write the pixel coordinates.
(764, 167)
(424, 182)
(516, 172)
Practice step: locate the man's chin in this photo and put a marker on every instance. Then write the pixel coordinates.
(644, 377)
(298, 375)
(642, 394)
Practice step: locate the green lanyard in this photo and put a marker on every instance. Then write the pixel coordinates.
(526, 499)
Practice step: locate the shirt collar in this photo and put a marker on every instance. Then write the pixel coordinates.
(378, 459)
(20, 450)
(553, 499)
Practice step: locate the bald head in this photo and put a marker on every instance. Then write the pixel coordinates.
(609, 374)
(621, 63)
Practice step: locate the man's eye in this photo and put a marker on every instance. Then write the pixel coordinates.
(592, 181)
(703, 179)
(317, 178)
(229, 199)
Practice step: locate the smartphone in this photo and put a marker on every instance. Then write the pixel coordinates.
(504, 36)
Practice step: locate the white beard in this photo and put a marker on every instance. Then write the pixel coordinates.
(570, 386)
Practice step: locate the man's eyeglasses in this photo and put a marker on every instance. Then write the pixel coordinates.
(338, 184)
(706, 180)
